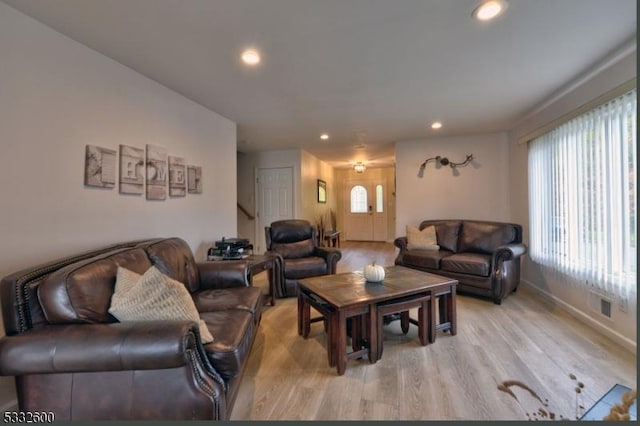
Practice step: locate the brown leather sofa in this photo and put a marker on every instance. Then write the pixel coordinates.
(483, 256)
(295, 242)
(71, 357)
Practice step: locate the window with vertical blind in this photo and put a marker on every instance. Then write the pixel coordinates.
(583, 197)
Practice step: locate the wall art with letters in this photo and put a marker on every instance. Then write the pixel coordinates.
(151, 173)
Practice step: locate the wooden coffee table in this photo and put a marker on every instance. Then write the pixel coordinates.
(348, 295)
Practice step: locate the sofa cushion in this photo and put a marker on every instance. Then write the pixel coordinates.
(244, 298)
(424, 258)
(230, 350)
(154, 296)
(305, 267)
(447, 232)
(290, 230)
(295, 250)
(482, 237)
(81, 292)
(424, 239)
(173, 257)
(468, 263)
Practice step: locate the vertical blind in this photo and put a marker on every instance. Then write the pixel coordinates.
(583, 197)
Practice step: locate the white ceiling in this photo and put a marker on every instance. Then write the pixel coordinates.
(368, 72)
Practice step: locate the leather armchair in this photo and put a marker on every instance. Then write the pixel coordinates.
(295, 243)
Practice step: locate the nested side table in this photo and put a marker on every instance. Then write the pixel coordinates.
(332, 238)
(266, 262)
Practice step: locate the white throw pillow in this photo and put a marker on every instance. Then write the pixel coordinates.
(422, 240)
(154, 296)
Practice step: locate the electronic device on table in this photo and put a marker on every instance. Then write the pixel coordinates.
(230, 249)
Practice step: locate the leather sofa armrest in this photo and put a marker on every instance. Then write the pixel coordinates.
(331, 255)
(113, 347)
(275, 254)
(401, 243)
(509, 252)
(280, 284)
(506, 275)
(328, 252)
(278, 257)
(223, 274)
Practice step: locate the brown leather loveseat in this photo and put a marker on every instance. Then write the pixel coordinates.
(70, 356)
(483, 256)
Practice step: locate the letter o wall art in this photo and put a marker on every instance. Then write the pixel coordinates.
(157, 173)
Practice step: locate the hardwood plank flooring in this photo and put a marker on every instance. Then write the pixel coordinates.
(455, 378)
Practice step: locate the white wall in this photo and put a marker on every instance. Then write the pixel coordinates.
(478, 191)
(56, 96)
(564, 292)
(312, 170)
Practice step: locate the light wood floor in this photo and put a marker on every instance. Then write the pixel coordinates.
(455, 378)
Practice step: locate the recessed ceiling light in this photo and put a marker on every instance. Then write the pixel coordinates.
(324, 136)
(251, 57)
(436, 125)
(489, 9)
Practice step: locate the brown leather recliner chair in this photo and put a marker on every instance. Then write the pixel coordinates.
(295, 242)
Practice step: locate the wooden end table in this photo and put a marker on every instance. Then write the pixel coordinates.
(332, 238)
(264, 262)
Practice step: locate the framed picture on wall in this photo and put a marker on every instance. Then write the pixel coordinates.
(194, 179)
(177, 177)
(99, 167)
(322, 191)
(131, 170)
(156, 173)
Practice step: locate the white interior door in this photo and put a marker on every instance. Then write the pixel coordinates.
(275, 200)
(366, 210)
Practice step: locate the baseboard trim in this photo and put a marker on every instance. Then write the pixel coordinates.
(621, 340)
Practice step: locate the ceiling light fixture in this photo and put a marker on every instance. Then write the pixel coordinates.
(436, 125)
(324, 136)
(359, 167)
(489, 9)
(251, 57)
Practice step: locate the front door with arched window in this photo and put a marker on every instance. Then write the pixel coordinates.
(365, 213)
